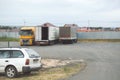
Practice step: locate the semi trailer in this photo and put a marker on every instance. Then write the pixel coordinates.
(46, 34)
(68, 33)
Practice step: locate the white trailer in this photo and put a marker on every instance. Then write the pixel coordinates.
(46, 35)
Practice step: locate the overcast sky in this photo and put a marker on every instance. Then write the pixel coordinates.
(59, 12)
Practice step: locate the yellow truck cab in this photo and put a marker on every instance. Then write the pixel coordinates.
(27, 36)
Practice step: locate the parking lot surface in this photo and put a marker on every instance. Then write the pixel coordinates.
(102, 57)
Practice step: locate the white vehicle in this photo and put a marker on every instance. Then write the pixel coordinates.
(17, 60)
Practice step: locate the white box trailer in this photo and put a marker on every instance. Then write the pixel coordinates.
(68, 35)
(46, 35)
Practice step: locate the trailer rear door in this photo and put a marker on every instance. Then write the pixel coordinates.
(45, 33)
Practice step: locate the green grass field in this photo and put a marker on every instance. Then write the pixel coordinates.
(99, 40)
(8, 39)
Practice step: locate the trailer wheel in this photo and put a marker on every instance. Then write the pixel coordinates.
(75, 40)
(72, 41)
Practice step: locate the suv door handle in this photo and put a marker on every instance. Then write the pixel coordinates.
(6, 60)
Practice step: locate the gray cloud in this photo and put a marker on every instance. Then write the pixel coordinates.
(60, 12)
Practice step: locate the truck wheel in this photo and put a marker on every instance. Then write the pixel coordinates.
(21, 44)
(11, 72)
(71, 41)
(50, 42)
(63, 42)
(75, 41)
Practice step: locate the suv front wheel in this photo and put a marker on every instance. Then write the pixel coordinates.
(11, 72)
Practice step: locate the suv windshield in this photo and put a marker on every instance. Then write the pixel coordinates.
(32, 53)
(26, 32)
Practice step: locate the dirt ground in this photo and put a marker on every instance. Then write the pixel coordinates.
(50, 63)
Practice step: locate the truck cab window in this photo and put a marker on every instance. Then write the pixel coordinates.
(26, 32)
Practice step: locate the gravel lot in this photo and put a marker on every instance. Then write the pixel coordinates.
(102, 57)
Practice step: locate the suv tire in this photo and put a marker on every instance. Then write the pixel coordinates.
(11, 72)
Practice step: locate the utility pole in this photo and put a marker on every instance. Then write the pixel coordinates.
(88, 23)
(24, 22)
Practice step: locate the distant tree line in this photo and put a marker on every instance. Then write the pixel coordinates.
(8, 27)
(95, 28)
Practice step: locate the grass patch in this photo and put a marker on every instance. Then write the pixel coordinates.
(99, 40)
(8, 39)
(62, 72)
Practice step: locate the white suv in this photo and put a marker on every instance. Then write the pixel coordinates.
(17, 60)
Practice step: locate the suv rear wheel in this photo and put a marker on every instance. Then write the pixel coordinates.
(11, 72)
